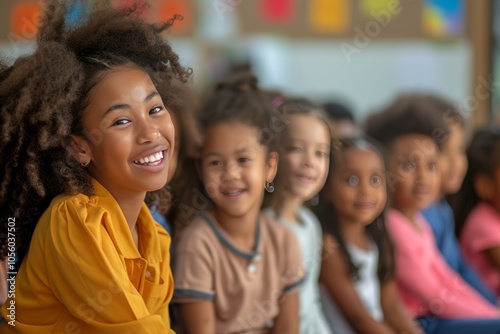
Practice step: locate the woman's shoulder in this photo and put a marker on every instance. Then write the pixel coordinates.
(69, 207)
(66, 217)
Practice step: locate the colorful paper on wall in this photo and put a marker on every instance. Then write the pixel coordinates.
(370, 8)
(167, 9)
(77, 12)
(329, 16)
(130, 3)
(24, 19)
(277, 11)
(444, 18)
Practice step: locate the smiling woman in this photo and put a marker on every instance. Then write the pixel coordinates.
(137, 135)
(87, 137)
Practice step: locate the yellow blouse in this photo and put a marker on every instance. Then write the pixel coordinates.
(83, 273)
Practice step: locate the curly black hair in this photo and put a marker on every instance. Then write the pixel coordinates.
(43, 96)
(408, 114)
(377, 230)
(238, 98)
(182, 104)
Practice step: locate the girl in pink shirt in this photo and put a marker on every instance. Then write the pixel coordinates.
(437, 296)
(477, 206)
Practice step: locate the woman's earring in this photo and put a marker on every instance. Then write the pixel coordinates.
(85, 162)
(269, 187)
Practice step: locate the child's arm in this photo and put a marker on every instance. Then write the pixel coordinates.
(287, 321)
(198, 317)
(335, 276)
(422, 272)
(394, 311)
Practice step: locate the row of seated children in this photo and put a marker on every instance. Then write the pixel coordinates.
(93, 259)
(416, 134)
(237, 268)
(237, 272)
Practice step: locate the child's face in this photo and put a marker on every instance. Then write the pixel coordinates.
(357, 186)
(128, 126)
(453, 161)
(234, 167)
(306, 155)
(413, 177)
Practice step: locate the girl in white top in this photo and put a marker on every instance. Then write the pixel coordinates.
(357, 273)
(304, 151)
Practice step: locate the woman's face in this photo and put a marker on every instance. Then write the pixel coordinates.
(129, 132)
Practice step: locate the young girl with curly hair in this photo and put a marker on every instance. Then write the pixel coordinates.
(85, 135)
(237, 271)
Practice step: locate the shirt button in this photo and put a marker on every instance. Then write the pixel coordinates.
(148, 274)
(252, 268)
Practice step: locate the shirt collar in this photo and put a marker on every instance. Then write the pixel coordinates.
(223, 238)
(119, 231)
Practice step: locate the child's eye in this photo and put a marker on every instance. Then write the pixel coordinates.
(243, 160)
(321, 154)
(353, 180)
(409, 166)
(295, 149)
(376, 180)
(215, 163)
(432, 166)
(156, 110)
(121, 121)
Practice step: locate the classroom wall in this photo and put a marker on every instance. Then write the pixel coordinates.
(321, 68)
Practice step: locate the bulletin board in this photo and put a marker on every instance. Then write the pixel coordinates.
(23, 15)
(350, 18)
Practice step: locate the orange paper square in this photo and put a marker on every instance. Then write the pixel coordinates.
(168, 8)
(24, 19)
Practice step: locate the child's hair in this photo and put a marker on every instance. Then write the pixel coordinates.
(337, 111)
(289, 108)
(445, 109)
(236, 99)
(377, 230)
(182, 105)
(239, 99)
(483, 155)
(408, 114)
(43, 97)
